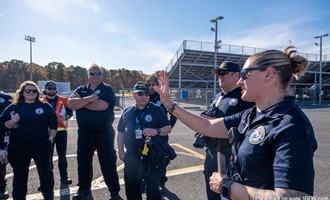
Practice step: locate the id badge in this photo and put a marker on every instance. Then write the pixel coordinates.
(6, 139)
(138, 134)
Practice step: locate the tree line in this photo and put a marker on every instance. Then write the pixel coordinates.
(14, 72)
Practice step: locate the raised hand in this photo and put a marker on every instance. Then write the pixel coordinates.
(163, 89)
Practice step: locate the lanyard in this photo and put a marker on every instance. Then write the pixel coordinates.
(138, 120)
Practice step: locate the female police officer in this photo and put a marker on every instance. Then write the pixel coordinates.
(275, 158)
(33, 125)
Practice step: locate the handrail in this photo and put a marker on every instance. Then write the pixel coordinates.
(232, 49)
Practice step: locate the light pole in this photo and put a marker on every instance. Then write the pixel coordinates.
(320, 75)
(31, 39)
(216, 47)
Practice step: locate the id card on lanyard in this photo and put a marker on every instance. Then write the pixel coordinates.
(138, 131)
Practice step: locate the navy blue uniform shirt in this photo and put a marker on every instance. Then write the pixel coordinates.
(35, 120)
(152, 116)
(229, 104)
(96, 120)
(278, 147)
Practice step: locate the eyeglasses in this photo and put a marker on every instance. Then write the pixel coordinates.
(30, 90)
(222, 73)
(245, 72)
(52, 88)
(143, 93)
(95, 73)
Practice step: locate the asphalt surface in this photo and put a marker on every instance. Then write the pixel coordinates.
(186, 180)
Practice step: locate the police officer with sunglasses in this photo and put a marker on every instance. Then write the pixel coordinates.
(225, 103)
(63, 113)
(31, 124)
(277, 140)
(140, 127)
(94, 105)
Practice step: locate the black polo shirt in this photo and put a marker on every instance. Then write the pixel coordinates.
(152, 116)
(96, 121)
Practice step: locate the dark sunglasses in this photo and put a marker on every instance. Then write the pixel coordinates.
(95, 73)
(245, 72)
(222, 73)
(52, 88)
(30, 90)
(143, 93)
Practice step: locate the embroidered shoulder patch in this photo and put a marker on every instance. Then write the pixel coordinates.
(148, 118)
(39, 111)
(233, 102)
(258, 135)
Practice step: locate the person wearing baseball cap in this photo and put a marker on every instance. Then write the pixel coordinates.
(63, 113)
(141, 125)
(225, 103)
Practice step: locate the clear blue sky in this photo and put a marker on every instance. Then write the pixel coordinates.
(145, 34)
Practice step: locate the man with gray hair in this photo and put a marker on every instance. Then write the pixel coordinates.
(94, 104)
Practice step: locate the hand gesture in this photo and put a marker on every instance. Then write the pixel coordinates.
(163, 89)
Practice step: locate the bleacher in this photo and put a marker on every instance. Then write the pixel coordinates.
(192, 64)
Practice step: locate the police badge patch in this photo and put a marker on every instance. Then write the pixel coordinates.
(148, 118)
(258, 135)
(233, 102)
(39, 111)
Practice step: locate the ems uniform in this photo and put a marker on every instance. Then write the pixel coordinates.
(221, 105)
(4, 102)
(29, 140)
(130, 124)
(59, 103)
(278, 147)
(95, 132)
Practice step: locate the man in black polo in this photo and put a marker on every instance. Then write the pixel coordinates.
(225, 103)
(94, 104)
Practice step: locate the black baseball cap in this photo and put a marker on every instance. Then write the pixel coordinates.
(141, 86)
(227, 66)
(50, 84)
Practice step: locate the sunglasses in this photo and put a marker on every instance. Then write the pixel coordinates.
(52, 88)
(95, 73)
(222, 73)
(143, 93)
(30, 90)
(246, 71)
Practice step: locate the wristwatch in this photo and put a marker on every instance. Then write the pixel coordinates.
(226, 188)
(171, 107)
(158, 131)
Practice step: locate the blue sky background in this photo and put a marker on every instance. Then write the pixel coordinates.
(145, 34)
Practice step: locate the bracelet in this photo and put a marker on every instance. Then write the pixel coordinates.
(221, 184)
(171, 107)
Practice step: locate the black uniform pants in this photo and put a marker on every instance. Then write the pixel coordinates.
(3, 181)
(133, 180)
(60, 141)
(210, 166)
(20, 153)
(103, 142)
